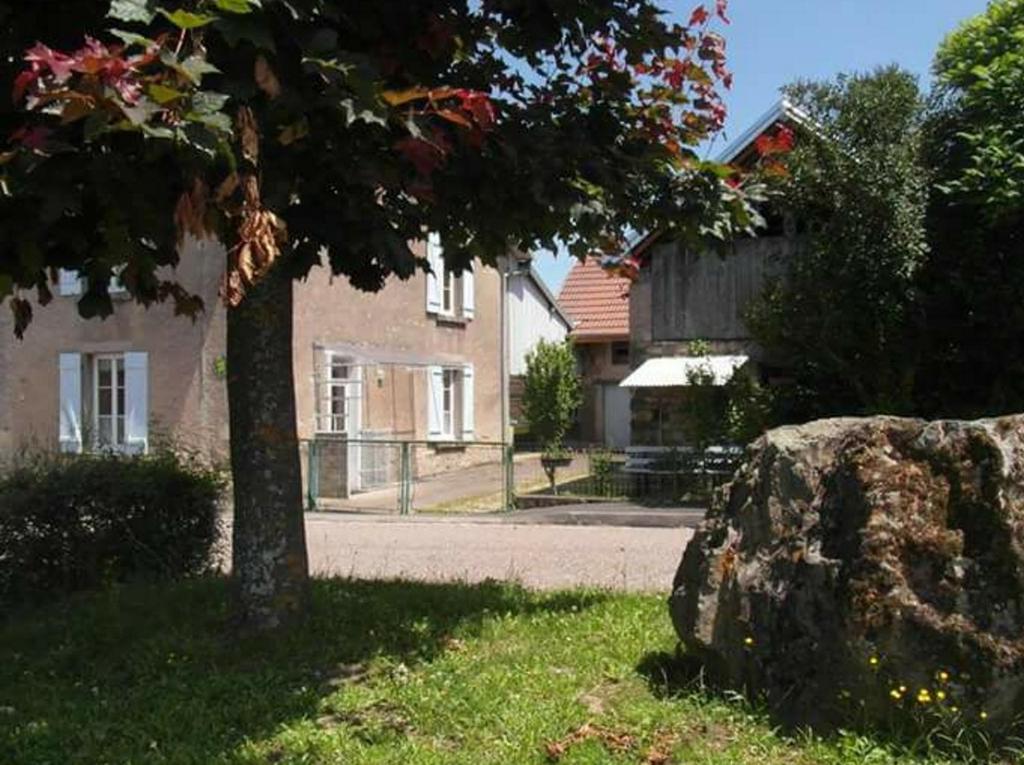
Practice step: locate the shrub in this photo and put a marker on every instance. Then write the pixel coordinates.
(77, 522)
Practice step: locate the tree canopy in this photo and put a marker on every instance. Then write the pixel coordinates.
(340, 132)
(841, 317)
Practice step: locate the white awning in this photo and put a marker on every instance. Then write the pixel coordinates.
(678, 371)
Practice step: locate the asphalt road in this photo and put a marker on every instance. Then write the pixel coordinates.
(535, 555)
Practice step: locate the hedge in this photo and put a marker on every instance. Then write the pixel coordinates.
(79, 522)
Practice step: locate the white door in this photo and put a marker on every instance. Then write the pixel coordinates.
(617, 416)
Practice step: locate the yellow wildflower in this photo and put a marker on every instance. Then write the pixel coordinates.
(873, 661)
(940, 695)
(984, 715)
(748, 641)
(943, 677)
(896, 695)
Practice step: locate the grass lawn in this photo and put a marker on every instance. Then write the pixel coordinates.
(384, 672)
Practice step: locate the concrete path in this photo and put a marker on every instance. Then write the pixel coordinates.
(479, 488)
(535, 555)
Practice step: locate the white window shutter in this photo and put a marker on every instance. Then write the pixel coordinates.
(467, 403)
(468, 294)
(68, 282)
(70, 433)
(435, 398)
(435, 257)
(116, 286)
(136, 399)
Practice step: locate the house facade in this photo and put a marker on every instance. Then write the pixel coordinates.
(681, 297)
(418, 361)
(534, 314)
(598, 304)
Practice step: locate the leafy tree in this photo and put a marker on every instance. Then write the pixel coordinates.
(314, 132)
(552, 392)
(973, 285)
(840, 319)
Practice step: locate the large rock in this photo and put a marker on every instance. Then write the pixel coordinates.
(850, 558)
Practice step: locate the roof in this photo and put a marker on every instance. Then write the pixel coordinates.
(597, 302)
(535, 277)
(680, 371)
(782, 112)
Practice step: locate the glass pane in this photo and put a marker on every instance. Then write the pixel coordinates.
(105, 401)
(103, 367)
(120, 398)
(120, 430)
(119, 365)
(104, 430)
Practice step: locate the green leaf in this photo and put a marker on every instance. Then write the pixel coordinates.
(130, 38)
(163, 94)
(354, 113)
(195, 67)
(132, 10)
(6, 285)
(237, 6)
(186, 19)
(208, 101)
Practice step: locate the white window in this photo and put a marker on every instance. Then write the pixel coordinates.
(71, 283)
(108, 401)
(450, 413)
(449, 380)
(339, 396)
(104, 402)
(448, 295)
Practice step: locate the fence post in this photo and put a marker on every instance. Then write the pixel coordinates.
(510, 480)
(405, 482)
(312, 475)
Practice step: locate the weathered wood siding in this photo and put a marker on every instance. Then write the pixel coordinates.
(705, 296)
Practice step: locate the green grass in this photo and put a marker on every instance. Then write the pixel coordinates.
(384, 672)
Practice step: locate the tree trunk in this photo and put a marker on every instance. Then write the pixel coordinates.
(269, 562)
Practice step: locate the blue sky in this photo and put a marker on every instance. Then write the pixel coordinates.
(773, 42)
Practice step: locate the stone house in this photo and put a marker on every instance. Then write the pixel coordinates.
(599, 305)
(419, 360)
(682, 296)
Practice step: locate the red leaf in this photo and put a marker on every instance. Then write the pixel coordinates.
(32, 138)
(699, 16)
(425, 156)
(721, 8)
(41, 57)
(22, 83)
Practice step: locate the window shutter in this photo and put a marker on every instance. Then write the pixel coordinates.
(435, 258)
(136, 399)
(68, 282)
(435, 393)
(468, 295)
(70, 432)
(467, 403)
(116, 286)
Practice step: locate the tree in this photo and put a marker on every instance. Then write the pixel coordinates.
(552, 393)
(314, 132)
(840, 319)
(973, 284)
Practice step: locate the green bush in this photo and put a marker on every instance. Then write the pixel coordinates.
(78, 522)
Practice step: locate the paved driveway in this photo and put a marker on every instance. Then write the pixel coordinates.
(541, 556)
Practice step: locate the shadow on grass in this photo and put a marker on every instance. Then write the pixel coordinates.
(145, 673)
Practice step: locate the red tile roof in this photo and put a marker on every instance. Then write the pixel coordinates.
(597, 303)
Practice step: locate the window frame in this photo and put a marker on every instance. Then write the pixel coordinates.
(448, 287)
(326, 420)
(118, 404)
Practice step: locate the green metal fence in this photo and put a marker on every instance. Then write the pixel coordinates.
(403, 476)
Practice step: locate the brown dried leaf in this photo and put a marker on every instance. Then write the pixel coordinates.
(248, 134)
(227, 188)
(190, 212)
(266, 80)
